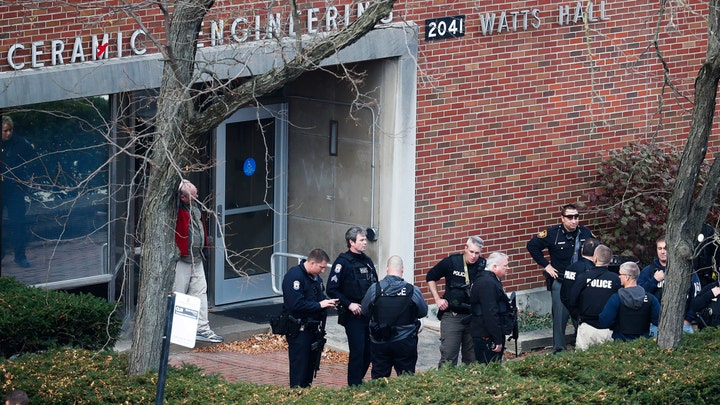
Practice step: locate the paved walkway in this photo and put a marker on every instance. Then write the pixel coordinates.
(267, 368)
(272, 368)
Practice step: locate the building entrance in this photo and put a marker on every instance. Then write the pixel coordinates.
(251, 195)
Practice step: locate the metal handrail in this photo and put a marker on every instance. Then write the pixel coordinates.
(276, 278)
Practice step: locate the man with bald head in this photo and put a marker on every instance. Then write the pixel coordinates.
(394, 307)
(589, 294)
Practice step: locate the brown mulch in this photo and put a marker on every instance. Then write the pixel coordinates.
(268, 343)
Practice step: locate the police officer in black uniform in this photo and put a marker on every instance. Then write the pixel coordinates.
(394, 307)
(305, 301)
(563, 243)
(491, 311)
(707, 262)
(589, 295)
(583, 265)
(353, 272)
(459, 271)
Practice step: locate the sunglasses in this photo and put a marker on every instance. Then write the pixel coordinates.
(575, 216)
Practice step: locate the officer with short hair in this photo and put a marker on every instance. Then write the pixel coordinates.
(563, 243)
(353, 272)
(394, 307)
(590, 293)
(459, 271)
(631, 310)
(304, 299)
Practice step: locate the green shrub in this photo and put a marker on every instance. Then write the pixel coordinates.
(637, 372)
(633, 188)
(32, 319)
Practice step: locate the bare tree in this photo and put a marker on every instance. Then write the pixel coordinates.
(688, 210)
(178, 121)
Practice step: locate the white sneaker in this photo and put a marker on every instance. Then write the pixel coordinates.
(209, 336)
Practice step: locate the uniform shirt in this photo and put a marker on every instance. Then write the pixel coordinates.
(591, 292)
(489, 294)
(646, 280)
(452, 270)
(352, 275)
(302, 293)
(393, 285)
(561, 246)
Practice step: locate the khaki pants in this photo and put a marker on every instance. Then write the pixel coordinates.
(588, 335)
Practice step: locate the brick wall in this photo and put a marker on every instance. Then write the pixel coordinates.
(513, 125)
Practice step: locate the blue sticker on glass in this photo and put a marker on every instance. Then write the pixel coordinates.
(249, 166)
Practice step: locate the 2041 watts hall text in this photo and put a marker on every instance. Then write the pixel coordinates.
(511, 21)
(39, 54)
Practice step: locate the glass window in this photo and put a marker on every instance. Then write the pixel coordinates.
(55, 191)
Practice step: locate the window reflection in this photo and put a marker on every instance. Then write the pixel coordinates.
(60, 183)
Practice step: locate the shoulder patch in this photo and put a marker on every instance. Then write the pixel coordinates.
(338, 267)
(296, 285)
(542, 234)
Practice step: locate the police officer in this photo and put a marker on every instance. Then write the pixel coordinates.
(707, 261)
(458, 270)
(631, 310)
(305, 301)
(491, 314)
(353, 272)
(394, 307)
(583, 265)
(563, 244)
(589, 295)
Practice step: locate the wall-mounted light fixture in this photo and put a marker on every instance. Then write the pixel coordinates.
(333, 138)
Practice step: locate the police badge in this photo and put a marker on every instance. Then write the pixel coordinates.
(296, 285)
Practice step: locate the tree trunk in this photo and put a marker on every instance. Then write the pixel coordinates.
(687, 213)
(177, 122)
(157, 219)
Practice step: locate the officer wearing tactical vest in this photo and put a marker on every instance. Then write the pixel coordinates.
(459, 270)
(394, 307)
(631, 310)
(352, 274)
(563, 243)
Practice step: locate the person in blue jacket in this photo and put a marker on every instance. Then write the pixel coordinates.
(630, 311)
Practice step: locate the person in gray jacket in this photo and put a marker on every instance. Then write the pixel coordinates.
(394, 307)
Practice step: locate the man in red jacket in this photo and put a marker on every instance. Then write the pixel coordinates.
(191, 239)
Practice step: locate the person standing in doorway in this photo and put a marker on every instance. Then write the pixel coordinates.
(191, 239)
(563, 243)
(459, 270)
(353, 272)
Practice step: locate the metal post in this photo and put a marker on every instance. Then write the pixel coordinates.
(162, 373)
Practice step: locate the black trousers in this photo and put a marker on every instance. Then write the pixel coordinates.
(483, 353)
(301, 357)
(401, 355)
(358, 336)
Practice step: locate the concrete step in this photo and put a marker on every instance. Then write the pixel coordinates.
(537, 340)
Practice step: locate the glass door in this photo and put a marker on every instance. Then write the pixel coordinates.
(251, 189)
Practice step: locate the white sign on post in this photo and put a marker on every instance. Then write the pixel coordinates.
(185, 320)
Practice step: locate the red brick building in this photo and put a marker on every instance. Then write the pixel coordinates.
(476, 118)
